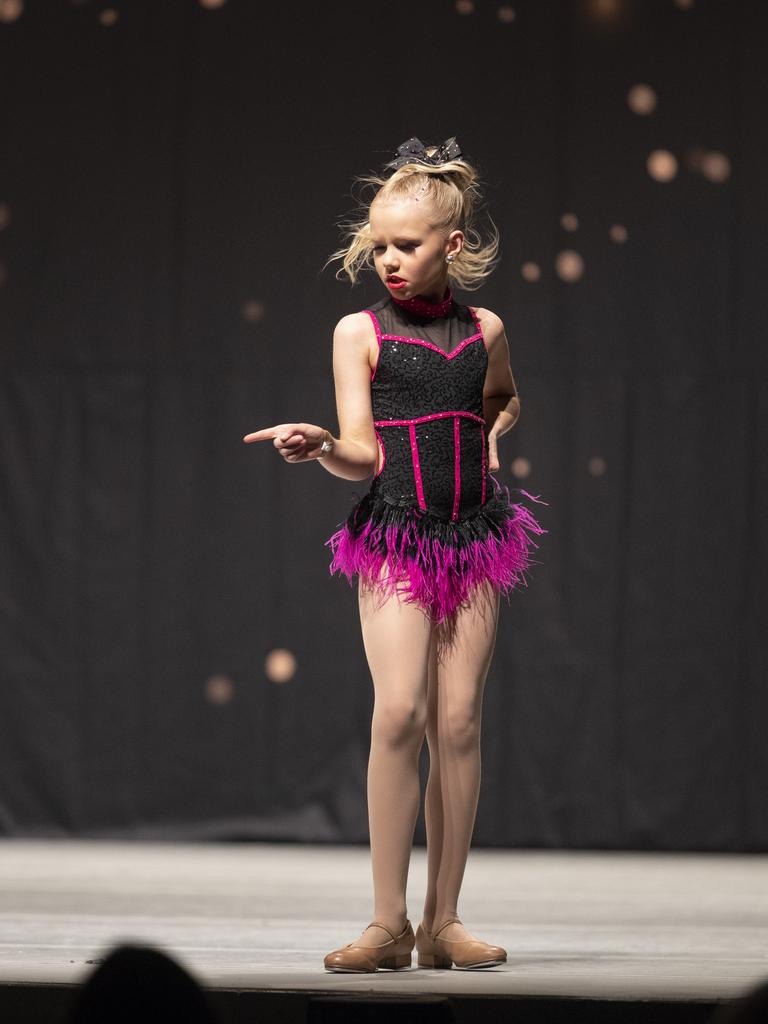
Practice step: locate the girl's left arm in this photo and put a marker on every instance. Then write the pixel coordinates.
(501, 402)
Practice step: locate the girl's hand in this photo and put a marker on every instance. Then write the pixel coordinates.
(296, 442)
(493, 455)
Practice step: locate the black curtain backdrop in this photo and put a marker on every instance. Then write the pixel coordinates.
(177, 661)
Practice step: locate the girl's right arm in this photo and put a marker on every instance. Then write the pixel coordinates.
(355, 452)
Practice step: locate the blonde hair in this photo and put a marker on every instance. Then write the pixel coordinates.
(452, 197)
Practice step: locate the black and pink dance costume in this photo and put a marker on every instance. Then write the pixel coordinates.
(433, 512)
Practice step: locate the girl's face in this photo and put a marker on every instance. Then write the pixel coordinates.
(407, 249)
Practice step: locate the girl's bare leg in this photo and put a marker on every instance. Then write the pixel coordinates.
(456, 681)
(396, 637)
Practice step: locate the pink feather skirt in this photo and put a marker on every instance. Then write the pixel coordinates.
(434, 562)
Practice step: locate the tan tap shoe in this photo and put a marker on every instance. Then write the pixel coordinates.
(466, 954)
(392, 955)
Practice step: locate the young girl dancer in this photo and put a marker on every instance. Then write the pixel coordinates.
(424, 389)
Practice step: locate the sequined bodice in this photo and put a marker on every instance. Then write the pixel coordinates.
(427, 401)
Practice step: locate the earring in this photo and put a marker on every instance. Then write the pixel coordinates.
(450, 258)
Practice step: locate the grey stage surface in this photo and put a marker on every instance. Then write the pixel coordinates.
(262, 916)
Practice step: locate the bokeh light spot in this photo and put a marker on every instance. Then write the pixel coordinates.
(530, 271)
(253, 311)
(280, 665)
(219, 689)
(520, 467)
(642, 99)
(716, 167)
(10, 10)
(662, 165)
(569, 265)
(606, 14)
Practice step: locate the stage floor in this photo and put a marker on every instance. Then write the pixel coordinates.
(261, 916)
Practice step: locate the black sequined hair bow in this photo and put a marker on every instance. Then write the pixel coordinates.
(413, 150)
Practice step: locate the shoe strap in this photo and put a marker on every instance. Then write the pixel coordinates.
(450, 920)
(378, 924)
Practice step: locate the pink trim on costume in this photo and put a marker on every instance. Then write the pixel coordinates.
(377, 328)
(477, 325)
(456, 466)
(482, 442)
(383, 453)
(431, 416)
(428, 344)
(482, 430)
(416, 466)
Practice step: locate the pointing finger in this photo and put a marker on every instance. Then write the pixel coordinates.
(281, 430)
(260, 435)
